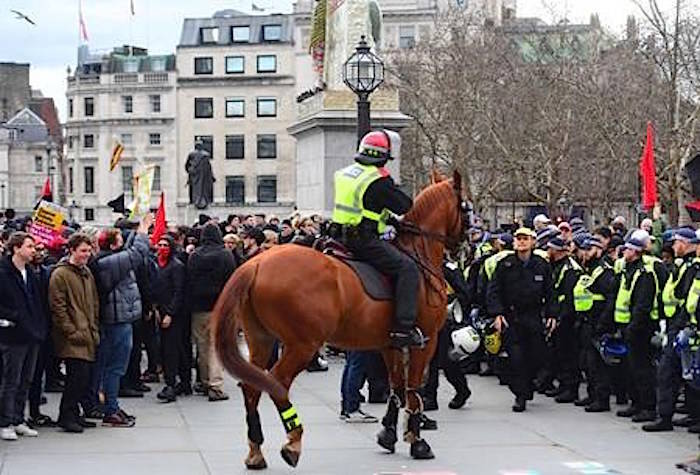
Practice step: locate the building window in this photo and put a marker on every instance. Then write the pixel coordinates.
(156, 178)
(128, 104)
(207, 143)
(267, 189)
(126, 139)
(235, 189)
(267, 107)
(272, 32)
(203, 65)
(154, 139)
(235, 64)
(157, 64)
(71, 142)
(131, 65)
(70, 180)
(209, 35)
(89, 179)
(267, 63)
(235, 147)
(70, 107)
(267, 146)
(203, 107)
(155, 102)
(38, 164)
(89, 103)
(235, 108)
(240, 34)
(88, 141)
(127, 179)
(89, 214)
(407, 36)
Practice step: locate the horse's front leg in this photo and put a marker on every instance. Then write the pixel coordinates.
(387, 437)
(420, 449)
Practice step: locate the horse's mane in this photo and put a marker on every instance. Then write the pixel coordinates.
(432, 197)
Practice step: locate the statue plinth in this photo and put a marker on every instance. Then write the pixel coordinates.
(326, 135)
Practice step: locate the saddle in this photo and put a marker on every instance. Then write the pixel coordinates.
(377, 285)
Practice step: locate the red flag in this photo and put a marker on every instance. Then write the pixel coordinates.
(159, 224)
(81, 21)
(46, 191)
(647, 170)
(694, 211)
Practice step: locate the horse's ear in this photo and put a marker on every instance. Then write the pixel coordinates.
(435, 177)
(457, 182)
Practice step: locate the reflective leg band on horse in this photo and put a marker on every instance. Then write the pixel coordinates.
(290, 418)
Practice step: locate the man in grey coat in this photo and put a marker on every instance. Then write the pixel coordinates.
(115, 269)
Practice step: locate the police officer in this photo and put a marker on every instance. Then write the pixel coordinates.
(633, 315)
(518, 297)
(565, 274)
(365, 197)
(676, 316)
(594, 302)
(457, 289)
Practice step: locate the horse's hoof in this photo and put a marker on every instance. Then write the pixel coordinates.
(257, 465)
(387, 439)
(289, 456)
(420, 450)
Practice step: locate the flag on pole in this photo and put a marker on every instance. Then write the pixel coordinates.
(133, 12)
(317, 44)
(647, 170)
(694, 211)
(46, 193)
(117, 204)
(159, 223)
(116, 156)
(83, 28)
(143, 183)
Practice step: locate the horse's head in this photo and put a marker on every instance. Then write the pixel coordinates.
(441, 211)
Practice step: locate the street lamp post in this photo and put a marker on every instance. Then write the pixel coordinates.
(49, 148)
(363, 72)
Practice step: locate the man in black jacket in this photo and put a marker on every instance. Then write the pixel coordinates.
(25, 327)
(519, 296)
(208, 270)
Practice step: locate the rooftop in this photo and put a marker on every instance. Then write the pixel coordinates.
(218, 29)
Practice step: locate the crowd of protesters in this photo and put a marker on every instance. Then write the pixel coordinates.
(99, 314)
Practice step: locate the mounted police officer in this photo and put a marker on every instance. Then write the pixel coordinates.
(365, 198)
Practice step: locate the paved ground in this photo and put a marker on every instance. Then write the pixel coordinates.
(193, 437)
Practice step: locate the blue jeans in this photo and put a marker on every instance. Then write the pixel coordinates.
(353, 379)
(112, 360)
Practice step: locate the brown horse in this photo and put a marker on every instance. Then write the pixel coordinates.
(322, 300)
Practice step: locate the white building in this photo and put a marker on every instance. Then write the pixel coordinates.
(25, 146)
(125, 97)
(236, 90)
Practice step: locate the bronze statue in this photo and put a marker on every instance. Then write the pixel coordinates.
(200, 177)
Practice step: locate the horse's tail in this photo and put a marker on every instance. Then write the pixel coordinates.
(232, 304)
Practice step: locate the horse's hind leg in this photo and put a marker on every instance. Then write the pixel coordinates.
(387, 437)
(260, 347)
(295, 357)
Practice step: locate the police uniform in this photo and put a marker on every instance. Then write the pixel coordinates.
(566, 273)
(634, 305)
(453, 372)
(522, 292)
(594, 302)
(680, 297)
(365, 195)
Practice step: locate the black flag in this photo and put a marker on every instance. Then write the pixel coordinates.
(117, 204)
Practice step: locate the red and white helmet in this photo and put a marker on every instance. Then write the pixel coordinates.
(380, 145)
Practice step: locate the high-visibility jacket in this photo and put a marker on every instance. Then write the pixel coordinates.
(351, 183)
(623, 302)
(583, 297)
(649, 264)
(671, 302)
(491, 262)
(570, 264)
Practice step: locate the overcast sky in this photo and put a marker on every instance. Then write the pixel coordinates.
(50, 46)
